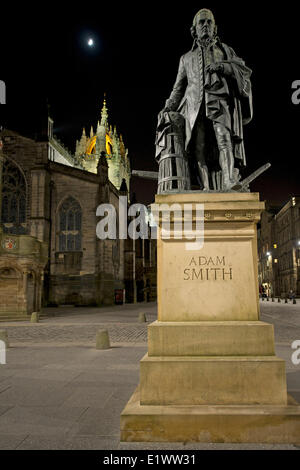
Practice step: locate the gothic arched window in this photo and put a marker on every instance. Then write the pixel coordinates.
(13, 213)
(70, 216)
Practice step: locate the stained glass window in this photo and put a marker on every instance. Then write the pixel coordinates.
(13, 213)
(70, 225)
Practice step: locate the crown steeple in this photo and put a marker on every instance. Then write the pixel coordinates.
(104, 113)
(103, 151)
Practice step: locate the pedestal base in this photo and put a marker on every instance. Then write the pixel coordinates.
(211, 374)
(208, 423)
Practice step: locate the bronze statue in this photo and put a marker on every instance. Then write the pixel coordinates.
(212, 92)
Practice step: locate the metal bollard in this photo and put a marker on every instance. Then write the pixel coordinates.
(286, 300)
(142, 317)
(294, 301)
(279, 300)
(273, 300)
(267, 299)
(4, 337)
(102, 340)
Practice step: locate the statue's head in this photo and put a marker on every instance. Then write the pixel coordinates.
(204, 25)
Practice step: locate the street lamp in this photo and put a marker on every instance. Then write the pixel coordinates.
(268, 255)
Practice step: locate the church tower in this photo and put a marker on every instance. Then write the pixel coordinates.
(106, 140)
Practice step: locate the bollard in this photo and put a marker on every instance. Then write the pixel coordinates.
(279, 300)
(273, 300)
(4, 337)
(34, 317)
(294, 301)
(102, 340)
(286, 300)
(262, 299)
(142, 317)
(267, 299)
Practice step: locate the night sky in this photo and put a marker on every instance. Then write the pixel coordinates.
(44, 56)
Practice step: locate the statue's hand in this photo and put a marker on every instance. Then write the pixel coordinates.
(215, 67)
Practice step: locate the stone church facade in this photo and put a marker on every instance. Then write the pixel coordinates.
(50, 254)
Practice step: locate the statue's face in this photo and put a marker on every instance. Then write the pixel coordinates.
(205, 25)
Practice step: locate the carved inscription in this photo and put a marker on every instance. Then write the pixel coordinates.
(204, 268)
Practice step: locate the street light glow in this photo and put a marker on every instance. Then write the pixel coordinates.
(90, 42)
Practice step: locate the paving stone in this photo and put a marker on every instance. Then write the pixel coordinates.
(11, 442)
(75, 443)
(96, 396)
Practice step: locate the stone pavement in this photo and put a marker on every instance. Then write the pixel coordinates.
(58, 392)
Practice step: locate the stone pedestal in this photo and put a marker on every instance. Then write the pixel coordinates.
(211, 374)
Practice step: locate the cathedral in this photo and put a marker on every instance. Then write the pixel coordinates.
(49, 252)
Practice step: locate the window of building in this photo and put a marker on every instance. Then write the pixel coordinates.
(70, 219)
(13, 214)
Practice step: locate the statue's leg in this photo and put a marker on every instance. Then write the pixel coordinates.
(199, 144)
(226, 158)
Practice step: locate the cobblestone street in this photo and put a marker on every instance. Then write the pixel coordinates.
(77, 334)
(79, 326)
(58, 392)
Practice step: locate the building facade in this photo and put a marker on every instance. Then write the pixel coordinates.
(279, 249)
(50, 254)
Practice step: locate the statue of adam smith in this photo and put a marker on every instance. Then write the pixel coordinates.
(213, 92)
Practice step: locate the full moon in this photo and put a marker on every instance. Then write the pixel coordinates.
(90, 42)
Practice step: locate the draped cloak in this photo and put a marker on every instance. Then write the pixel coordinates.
(227, 97)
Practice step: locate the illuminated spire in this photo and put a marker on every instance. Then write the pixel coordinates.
(104, 114)
(98, 127)
(81, 147)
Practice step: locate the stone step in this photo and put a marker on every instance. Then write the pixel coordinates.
(13, 318)
(5, 317)
(216, 338)
(230, 424)
(212, 380)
